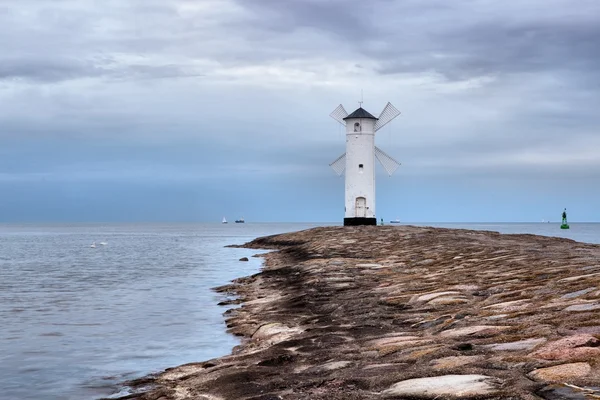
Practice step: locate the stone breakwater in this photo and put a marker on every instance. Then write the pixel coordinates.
(407, 313)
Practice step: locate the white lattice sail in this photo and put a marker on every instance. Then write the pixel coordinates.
(389, 164)
(387, 115)
(339, 165)
(339, 114)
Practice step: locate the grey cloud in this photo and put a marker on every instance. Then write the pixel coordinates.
(65, 40)
(500, 49)
(46, 70)
(349, 20)
(133, 72)
(63, 69)
(458, 40)
(152, 40)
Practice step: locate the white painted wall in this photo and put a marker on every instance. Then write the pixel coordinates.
(360, 149)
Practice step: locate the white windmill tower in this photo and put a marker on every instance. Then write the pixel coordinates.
(359, 161)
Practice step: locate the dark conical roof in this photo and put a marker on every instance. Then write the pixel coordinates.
(361, 113)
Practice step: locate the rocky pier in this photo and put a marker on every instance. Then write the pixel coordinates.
(407, 313)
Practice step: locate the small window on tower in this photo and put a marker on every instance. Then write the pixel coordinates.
(360, 168)
(356, 127)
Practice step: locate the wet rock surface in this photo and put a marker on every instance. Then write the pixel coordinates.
(405, 313)
(457, 386)
(561, 373)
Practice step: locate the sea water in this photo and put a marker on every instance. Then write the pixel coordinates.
(76, 321)
(580, 232)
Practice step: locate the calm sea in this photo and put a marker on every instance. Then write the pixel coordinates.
(75, 320)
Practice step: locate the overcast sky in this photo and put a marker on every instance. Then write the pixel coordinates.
(191, 110)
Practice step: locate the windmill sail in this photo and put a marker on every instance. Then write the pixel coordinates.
(339, 114)
(339, 165)
(387, 115)
(389, 164)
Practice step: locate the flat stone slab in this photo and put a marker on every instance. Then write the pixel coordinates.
(454, 361)
(263, 300)
(561, 373)
(447, 300)
(400, 345)
(471, 330)
(562, 392)
(182, 371)
(526, 344)
(465, 287)
(373, 366)
(374, 266)
(571, 347)
(583, 307)
(274, 328)
(331, 366)
(497, 316)
(385, 341)
(578, 293)
(592, 330)
(578, 278)
(446, 386)
(431, 296)
(509, 305)
(590, 268)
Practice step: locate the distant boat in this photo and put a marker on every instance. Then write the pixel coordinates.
(240, 221)
(103, 243)
(93, 246)
(224, 220)
(395, 221)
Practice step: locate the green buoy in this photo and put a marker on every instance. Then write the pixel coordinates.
(564, 224)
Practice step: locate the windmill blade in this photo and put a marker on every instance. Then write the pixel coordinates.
(339, 114)
(339, 165)
(387, 115)
(389, 164)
